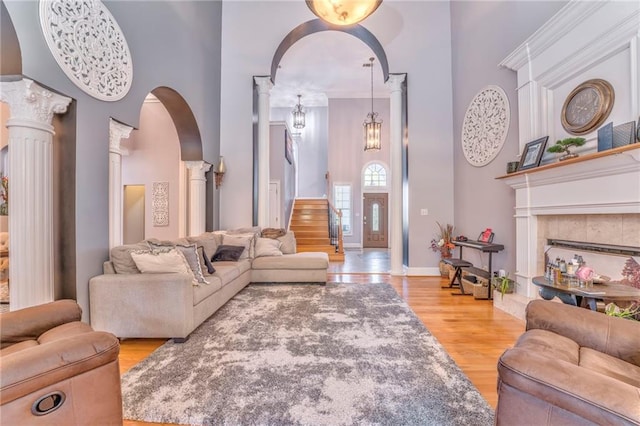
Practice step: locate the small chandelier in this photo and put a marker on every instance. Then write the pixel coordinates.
(372, 126)
(343, 12)
(298, 115)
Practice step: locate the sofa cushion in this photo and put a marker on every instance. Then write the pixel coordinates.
(228, 253)
(25, 344)
(293, 261)
(121, 257)
(208, 241)
(610, 366)
(267, 247)
(227, 273)
(243, 265)
(63, 331)
(201, 292)
(288, 243)
(550, 344)
(243, 240)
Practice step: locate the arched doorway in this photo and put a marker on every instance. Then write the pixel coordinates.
(396, 86)
(159, 190)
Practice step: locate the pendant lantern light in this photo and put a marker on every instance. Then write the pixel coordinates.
(298, 115)
(372, 126)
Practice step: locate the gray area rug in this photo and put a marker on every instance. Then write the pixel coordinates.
(338, 354)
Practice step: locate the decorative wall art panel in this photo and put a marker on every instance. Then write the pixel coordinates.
(89, 46)
(160, 204)
(485, 126)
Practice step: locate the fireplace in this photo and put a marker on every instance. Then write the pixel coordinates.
(595, 197)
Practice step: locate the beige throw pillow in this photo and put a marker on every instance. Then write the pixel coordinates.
(171, 261)
(288, 243)
(268, 247)
(121, 257)
(190, 253)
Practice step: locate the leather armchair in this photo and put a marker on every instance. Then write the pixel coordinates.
(572, 366)
(56, 370)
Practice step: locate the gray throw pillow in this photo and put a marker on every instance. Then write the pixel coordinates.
(227, 253)
(121, 258)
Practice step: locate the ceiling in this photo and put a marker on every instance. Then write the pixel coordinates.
(326, 65)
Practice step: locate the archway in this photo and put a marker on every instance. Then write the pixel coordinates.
(172, 175)
(396, 84)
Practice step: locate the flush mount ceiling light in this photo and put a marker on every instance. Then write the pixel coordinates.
(298, 115)
(372, 126)
(343, 12)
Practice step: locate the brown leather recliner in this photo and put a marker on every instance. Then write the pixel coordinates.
(572, 366)
(56, 370)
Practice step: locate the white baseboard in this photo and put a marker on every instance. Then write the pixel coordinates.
(352, 245)
(423, 272)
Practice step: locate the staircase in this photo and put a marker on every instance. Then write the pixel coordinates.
(310, 224)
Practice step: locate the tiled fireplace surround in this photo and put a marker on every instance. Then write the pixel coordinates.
(616, 229)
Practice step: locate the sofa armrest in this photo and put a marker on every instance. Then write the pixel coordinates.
(617, 337)
(142, 305)
(25, 371)
(29, 323)
(596, 397)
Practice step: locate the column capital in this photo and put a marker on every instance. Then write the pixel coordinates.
(394, 83)
(264, 84)
(197, 169)
(117, 132)
(32, 105)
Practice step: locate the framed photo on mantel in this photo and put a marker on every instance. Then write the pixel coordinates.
(532, 154)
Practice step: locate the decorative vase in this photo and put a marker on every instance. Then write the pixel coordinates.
(445, 253)
(444, 271)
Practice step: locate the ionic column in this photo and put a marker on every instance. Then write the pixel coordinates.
(395, 145)
(117, 132)
(31, 190)
(264, 87)
(197, 196)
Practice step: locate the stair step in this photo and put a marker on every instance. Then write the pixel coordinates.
(311, 201)
(309, 241)
(322, 233)
(311, 217)
(336, 257)
(327, 248)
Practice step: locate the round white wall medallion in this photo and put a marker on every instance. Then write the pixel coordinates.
(89, 46)
(485, 126)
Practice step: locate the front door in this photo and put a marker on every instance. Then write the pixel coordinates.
(374, 220)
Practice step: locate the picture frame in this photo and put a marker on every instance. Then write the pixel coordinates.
(532, 153)
(605, 137)
(288, 147)
(486, 236)
(623, 134)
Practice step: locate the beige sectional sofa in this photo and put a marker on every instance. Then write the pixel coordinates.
(128, 303)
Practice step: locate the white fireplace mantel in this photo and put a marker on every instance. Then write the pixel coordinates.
(584, 40)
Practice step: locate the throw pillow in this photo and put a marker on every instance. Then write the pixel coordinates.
(268, 247)
(121, 257)
(288, 243)
(171, 261)
(273, 232)
(190, 253)
(230, 253)
(205, 263)
(243, 240)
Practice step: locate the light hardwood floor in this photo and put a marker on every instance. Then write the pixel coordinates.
(473, 332)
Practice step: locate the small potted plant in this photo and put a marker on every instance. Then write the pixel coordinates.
(564, 145)
(503, 285)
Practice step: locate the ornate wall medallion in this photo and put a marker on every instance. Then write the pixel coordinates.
(587, 106)
(89, 46)
(160, 204)
(485, 126)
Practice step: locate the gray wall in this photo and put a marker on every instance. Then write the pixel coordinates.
(174, 44)
(483, 34)
(312, 149)
(346, 150)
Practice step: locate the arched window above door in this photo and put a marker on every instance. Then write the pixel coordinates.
(375, 174)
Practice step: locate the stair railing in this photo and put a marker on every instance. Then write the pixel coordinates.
(335, 228)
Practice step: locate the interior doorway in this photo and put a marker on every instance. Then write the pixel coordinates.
(133, 218)
(375, 232)
(274, 204)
